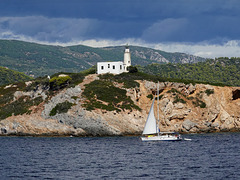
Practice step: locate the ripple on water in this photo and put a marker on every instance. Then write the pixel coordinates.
(207, 156)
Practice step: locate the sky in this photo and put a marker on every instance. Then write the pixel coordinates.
(206, 28)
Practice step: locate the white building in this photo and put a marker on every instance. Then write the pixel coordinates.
(117, 67)
(110, 67)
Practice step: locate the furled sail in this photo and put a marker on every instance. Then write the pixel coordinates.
(151, 125)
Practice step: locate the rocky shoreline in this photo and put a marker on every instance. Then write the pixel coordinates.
(183, 108)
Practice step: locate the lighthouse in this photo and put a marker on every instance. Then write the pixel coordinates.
(127, 58)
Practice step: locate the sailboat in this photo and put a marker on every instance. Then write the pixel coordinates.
(151, 131)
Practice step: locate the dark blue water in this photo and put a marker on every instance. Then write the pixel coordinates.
(207, 156)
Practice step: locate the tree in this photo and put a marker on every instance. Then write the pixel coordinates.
(132, 69)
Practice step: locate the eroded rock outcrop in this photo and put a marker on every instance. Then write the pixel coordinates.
(183, 108)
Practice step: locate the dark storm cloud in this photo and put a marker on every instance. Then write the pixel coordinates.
(152, 21)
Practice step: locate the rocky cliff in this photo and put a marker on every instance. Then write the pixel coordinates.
(183, 108)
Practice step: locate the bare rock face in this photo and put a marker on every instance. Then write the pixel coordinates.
(35, 125)
(152, 55)
(188, 125)
(208, 108)
(183, 108)
(65, 95)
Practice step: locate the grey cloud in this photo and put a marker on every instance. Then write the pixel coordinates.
(165, 30)
(49, 29)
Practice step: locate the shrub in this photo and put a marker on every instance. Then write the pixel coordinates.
(177, 99)
(102, 94)
(6, 98)
(160, 97)
(19, 106)
(59, 82)
(150, 96)
(190, 98)
(173, 91)
(209, 91)
(199, 103)
(61, 108)
(74, 97)
(126, 78)
(132, 69)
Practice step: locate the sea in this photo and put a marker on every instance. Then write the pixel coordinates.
(206, 156)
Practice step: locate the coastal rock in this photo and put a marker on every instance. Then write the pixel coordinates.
(66, 95)
(184, 108)
(187, 124)
(153, 86)
(178, 114)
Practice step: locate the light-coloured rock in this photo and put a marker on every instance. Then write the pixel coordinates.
(178, 114)
(65, 95)
(168, 108)
(187, 124)
(179, 106)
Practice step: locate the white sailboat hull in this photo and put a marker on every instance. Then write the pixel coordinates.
(161, 138)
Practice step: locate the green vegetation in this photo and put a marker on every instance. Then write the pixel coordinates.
(8, 76)
(173, 91)
(160, 97)
(150, 96)
(132, 69)
(6, 92)
(218, 71)
(39, 60)
(129, 79)
(209, 91)
(61, 108)
(10, 106)
(74, 97)
(59, 82)
(42, 60)
(198, 102)
(178, 99)
(124, 78)
(103, 94)
(19, 106)
(177, 96)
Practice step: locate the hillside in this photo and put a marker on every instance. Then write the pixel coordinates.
(40, 60)
(75, 105)
(8, 76)
(218, 71)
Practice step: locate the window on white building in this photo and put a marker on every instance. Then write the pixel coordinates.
(113, 66)
(102, 67)
(120, 66)
(108, 65)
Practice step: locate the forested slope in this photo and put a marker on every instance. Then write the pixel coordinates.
(221, 70)
(9, 76)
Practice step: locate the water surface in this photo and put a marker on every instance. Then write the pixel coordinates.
(207, 156)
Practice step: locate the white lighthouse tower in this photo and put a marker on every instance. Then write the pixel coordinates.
(127, 58)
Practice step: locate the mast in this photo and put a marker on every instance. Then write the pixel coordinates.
(158, 108)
